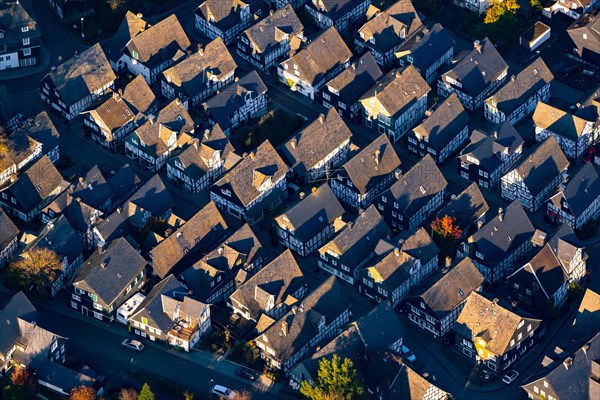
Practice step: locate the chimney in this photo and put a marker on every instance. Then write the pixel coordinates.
(477, 46)
(103, 265)
(151, 118)
(495, 134)
(377, 156)
(100, 249)
(568, 362)
(284, 328)
(322, 118)
(397, 174)
(237, 79)
(500, 214)
(293, 142)
(252, 154)
(206, 133)
(301, 195)
(396, 251)
(448, 262)
(201, 51)
(513, 78)
(398, 74)
(220, 250)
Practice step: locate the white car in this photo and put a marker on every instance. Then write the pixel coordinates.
(410, 356)
(510, 377)
(132, 344)
(223, 392)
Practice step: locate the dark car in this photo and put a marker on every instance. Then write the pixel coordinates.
(567, 72)
(247, 374)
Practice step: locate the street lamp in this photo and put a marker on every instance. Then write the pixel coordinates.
(82, 34)
(210, 389)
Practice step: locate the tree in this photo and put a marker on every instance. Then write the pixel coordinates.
(3, 142)
(128, 394)
(83, 393)
(500, 10)
(13, 393)
(146, 393)
(336, 380)
(445, 227)
(37, 268)
(21, 377)
(244, 395)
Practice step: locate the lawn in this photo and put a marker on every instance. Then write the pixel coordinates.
(276, 126)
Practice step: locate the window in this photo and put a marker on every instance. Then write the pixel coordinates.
(79, 291)
(135, 54)
(75, 297)
(54, 346)
(94, 297)
(326, 96)
(25, 29)
(97, 315)
(97, 306)
(26, 41)
(144, 321)
(4, 196)
(62, 348)
(342, 105)
(479, 255)
(585, 36)
(512, 342)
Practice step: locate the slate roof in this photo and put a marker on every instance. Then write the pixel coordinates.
(444, 123)
(114, 226)
(385, 26)
(358, 239)
(312, 214)
(42, 129)
(380, 328)
(138, 95)
(412, 386)
(14, 17)
(575, 378)
(398, 90)
(122, 182)
(355, 80)
(477, 70)
(20, 146)
(131, 25)
(175, 117)
(113, 113)
(589, 22)
(92, 188)
(61, 238)
(430, 46)
(200, 232)
(301, 324)
(36, 183)
(580, 192)
(80, 76)
(483, 318)
(8, 230)
(107, 274)
(223, 14)
(372, 164)
(391, 269)
(545, 163)
(34, 345)
(241, 179)
(522, 87)
(225, 104)
(322, 54)
(153, 197)
(79, 214)
(453, 287)
(587, 319)
(307, 147)
(194, 74)
(61, 376)
(334, 9)
(407, 190)
(466, 208)
(560, 122)
(487, 149)
(280, 279)
(159, 42)
(268, 33)
(500, 237)
(17, 307)
(544, 269)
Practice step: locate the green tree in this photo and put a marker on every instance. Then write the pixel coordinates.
(501, 11)
(146, 393)
(336, 380)
(38, 268)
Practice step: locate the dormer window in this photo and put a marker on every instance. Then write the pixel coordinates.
(25, 29)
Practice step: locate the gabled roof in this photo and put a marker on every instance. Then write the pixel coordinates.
(113, 113)
(277, 281)
(322, 54)
(544, 164)
(311, 215)
(17, 307)
(79, 215)
(466, 208)
(560, 122)
(107, 274)
(225, 104)
(158, 43)
(575, 378)
(487, 149)
(153, 197)
(589, 23)
(114, 226)
(566, 245)
(311, 145)
(484, 319)
(380, 328)
(268, 33)
(334, 9)
(580, 192)
(151, 308)
(42, 129)
(503, 234)
(176, 117)
(391, 269)
(415, 188)
(130, 27)
(521, 87)
(240, 180)
(587, 319)
(444, 124)
(386, 26)
(138, 95)
(92, 188)
(352, 82)
(20, 146)
(479, 68)
(199, 233)
(410, 385)
(372, 164)
(397, 90)
(223, 14)
(60, 237)
(428, 46)
(197, 72)
(296, 328)
(82, 75)
(36, 183)
(358, 239)
(453, 287)
(8, 230)
(122, 182)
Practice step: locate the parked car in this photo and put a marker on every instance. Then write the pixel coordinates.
(223, 392)
(132, 344)
(247, 373)
(510, 377)
(409, 355)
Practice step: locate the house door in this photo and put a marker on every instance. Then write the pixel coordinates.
(84, 311)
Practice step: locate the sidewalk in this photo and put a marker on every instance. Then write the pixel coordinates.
(16, 73)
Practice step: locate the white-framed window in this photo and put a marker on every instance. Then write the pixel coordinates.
(54, 346)
(326, 96)
(25, 29)
(342, 105)
(97, 307)
(479, 255)
(97, 315)
(75, 297)
(26, 41)
(27, 51)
